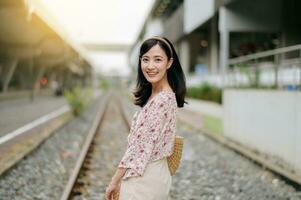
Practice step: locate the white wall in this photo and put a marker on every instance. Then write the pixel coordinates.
(298, 130)
(268, 121)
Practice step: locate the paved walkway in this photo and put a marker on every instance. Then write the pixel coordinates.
(17, 113)
(204, 107)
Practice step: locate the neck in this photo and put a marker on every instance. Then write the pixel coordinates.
(161, 85)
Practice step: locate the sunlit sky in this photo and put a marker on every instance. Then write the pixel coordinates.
(102, 22)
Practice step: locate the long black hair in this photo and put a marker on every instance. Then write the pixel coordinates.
(175, 74)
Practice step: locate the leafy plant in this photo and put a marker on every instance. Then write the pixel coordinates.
(252, 73)
(77, 99)
(104, 84)
(205, 91)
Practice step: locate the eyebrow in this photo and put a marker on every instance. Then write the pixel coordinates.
(154, 56)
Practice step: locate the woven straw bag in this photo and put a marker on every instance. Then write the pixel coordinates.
(174, 159)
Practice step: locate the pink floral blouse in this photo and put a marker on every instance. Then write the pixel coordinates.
(151, 135)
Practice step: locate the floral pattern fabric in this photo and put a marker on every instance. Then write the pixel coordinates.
(151, 135)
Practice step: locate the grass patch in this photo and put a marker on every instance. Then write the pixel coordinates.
(213, 124)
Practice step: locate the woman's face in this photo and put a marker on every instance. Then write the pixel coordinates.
(154, 64)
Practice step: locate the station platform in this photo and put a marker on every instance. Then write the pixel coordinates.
(17, 113)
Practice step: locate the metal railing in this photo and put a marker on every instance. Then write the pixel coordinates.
(278, 68)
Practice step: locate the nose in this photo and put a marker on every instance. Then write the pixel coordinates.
(150, 65)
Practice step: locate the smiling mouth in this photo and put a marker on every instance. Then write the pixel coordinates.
(152, 74)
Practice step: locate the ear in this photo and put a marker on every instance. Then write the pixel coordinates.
(169, 63)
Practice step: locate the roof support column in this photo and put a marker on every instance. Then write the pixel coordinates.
(11, 66)
(213, 45)
(185, 55)
(224, 43)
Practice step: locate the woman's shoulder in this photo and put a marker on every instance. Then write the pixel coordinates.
(167, 97)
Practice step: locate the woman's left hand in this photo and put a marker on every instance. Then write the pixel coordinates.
(113, 188)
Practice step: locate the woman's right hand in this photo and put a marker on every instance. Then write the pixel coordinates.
(112, 189)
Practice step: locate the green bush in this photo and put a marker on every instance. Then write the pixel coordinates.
(77, 99)
(252, 73)
(104, 84)
(205, 91)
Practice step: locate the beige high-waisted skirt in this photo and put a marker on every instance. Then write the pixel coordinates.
(153, 185)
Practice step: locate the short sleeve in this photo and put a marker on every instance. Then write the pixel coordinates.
(141, 145)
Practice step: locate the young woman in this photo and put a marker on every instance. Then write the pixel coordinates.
(143, 172)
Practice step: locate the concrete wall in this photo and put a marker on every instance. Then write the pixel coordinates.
(246, 16)
(197, 12)
(267, 121)
(256, 15)
(173, 26)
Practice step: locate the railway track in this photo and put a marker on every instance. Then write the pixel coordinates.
(90, 176)
(208, 169)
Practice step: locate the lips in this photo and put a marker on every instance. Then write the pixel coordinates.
(151, 74)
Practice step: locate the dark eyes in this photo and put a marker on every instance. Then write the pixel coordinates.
(156, 60)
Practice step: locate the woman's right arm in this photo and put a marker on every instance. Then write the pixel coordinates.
(114, 185)
(140, 147)
(118, 175)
